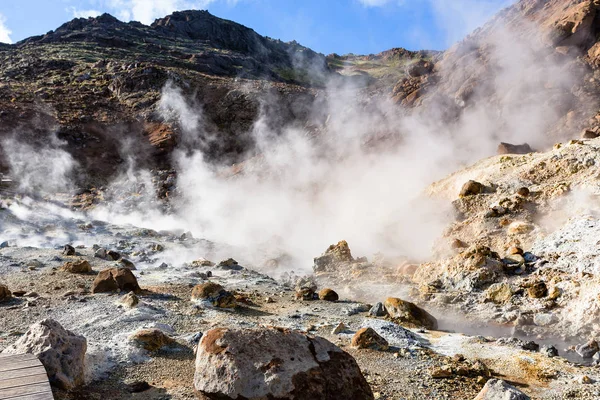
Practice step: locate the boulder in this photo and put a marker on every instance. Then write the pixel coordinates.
(213, 293)
(471, 188)
(328, 295)
(407, 313)
(507, 148)
(114, 280)
(367, 338)
(62, 352)
(5, 294)
(68, 250)
(273, 363)
(150, 339)
(496, 389)
(77, 267)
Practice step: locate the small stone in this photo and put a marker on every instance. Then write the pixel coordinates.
(77, 267)
(5, 294)
(586, 380)
(523, 192)
(130, 300)
(537, 290)
(125, 263)
(378, 310)
(530, 346)
(339, 329)
(544, 319)
(588, 134)
(549, 351)
(16, 293)
(230, 264)
(367, 338)
(203, 262)
(443, 372)
(269, 300)
(508, 148)
(458, 244)
(215, 294)
(554, 293)
(588, 350)
(68, 250)
(305, 293)
(514, 259)
(150, 339)
(138, 387)
(499, 293)
(471, 188)
(515, 250)
(328, 295)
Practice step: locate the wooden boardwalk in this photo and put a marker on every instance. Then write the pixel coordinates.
(23, 377)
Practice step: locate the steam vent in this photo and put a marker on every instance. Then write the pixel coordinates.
(195, 209)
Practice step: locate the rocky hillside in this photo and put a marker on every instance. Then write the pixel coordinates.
(96, 82)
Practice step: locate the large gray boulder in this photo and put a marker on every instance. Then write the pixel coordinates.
(496, 389)
(62, 352)
(273, 363)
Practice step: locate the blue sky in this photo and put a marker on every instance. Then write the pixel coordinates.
(327, 26)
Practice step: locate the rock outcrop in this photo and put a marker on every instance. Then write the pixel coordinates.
(62, 352)
(275, 363)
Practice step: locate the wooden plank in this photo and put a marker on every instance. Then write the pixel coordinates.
(23, 381)
(38, 369)
(23, 377)
(16, 357)
(19, 365)
(35, 396)
(10, 393)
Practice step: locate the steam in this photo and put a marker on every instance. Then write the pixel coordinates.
(40, 169)
(358, 173)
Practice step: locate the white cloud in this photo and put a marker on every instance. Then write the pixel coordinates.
(146, 11)
(77, 13)
(4, 31)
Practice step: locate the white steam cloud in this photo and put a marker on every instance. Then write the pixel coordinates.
(46, 169)
(362, 176)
